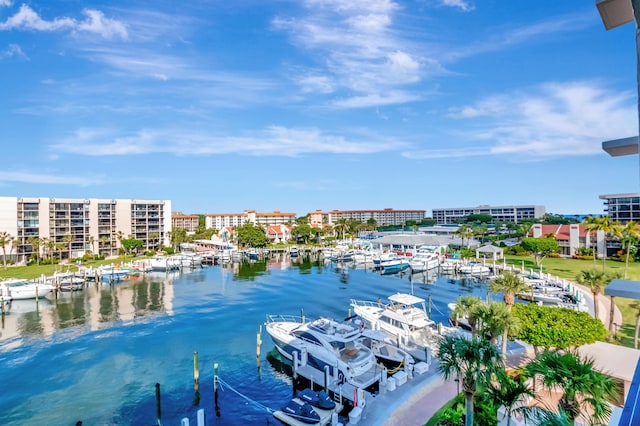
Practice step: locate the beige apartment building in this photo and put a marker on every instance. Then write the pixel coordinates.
(225, 220)
(187, 222)
(382, 217)
(78, 226)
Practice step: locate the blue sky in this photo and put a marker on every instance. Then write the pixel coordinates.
(298, 105)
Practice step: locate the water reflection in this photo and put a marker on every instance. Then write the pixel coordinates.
(95, 307)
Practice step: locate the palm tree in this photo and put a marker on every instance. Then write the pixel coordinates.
(35, 243)
(629, 236)
(103, 242)
(595, 281)
(473, 361)
(494, 319)
(510, 285)
(5, 240)
(592, 224)
(511, 391)
(120, 237)
(341, 226)
(464, 308)
(92, 244)
(67, 239)
(584, 389)
(465, 231)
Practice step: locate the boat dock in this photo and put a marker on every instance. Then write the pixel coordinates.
(360, 404)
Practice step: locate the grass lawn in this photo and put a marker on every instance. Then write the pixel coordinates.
(35, 271)
(570, 268)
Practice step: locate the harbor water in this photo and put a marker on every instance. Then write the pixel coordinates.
(96, 355)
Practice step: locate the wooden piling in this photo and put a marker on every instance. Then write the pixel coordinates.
(196, 380)
(158, 409)
(258, 343)
(215, 388)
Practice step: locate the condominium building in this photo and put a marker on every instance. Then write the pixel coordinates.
(516, 214)
(223, 220)
(73, 227)
(382, 217)
(187, 222)
(622, 207)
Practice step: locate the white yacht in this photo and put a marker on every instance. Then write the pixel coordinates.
(19, 289)
(474, 268)
(326, 342)
(424, 261)
(404, 319)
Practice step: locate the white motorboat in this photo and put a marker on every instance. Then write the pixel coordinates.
(19, 289)
(450, 265)
(474, 268)
(326, 342)
(165, 263)
(424, 261)
(404, 319)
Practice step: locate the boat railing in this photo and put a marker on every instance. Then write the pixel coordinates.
(283, 318)
(371, 303)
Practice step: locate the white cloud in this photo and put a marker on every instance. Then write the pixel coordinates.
(553, 120)
(5, 3)
(460, 4)
(271, 141)
(360, 51)
(13, 50)
(27, 19)
(97, 23)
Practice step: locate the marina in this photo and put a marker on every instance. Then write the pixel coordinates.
(103, 349)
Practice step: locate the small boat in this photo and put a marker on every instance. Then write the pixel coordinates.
(301, 411)
(474, 268)
(20, 289)
(318, 399)
(294, 251)
(394, 266)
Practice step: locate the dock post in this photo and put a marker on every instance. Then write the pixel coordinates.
(158, 410)
(201, 420)
(184, 421)
(215, 388)
(196, 380)
(302, 315)
(429, 305)
(258, 343)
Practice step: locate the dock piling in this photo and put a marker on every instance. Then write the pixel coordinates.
(158, 409)
(196, 380)
(215, 388)
(258, 343)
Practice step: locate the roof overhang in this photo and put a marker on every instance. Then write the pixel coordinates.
(619, 147)
(623, 288)
(615, 12)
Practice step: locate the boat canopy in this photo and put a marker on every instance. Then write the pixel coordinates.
(406, 299)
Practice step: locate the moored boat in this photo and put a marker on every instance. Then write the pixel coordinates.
(327, 343)
(404, 319)
(19, 289)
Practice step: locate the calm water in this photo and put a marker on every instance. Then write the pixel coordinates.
(97, 354)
